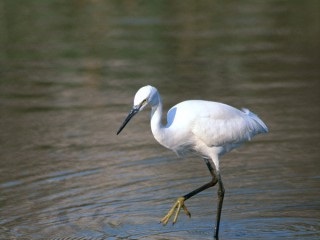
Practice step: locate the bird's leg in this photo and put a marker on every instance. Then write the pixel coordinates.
(216, 175)
(219, 206)
(180, 201)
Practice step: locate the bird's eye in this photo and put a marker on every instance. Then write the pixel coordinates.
(144, 102)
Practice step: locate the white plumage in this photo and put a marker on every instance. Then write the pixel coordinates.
(209, 128)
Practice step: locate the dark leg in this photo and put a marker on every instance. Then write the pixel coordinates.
(215, 178)
(213, 181)
(219, 207)
(180, 202)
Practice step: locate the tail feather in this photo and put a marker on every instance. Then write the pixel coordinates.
(262, 127)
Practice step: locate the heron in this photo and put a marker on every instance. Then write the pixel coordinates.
(207, 128)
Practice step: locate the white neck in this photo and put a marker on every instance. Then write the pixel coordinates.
(156, 126)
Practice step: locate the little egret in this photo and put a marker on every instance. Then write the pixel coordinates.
(210, 129)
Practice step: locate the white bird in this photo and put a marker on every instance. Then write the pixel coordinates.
(210, 129)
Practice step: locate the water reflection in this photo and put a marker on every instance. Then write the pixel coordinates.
(68, 75)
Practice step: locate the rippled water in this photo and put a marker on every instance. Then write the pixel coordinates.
(68, 74)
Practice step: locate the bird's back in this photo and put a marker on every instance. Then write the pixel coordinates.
(213, 124)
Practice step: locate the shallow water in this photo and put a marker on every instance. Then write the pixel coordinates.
(69, 72)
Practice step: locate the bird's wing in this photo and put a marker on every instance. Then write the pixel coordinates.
(226, 128)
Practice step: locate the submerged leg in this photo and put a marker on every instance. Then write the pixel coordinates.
(180, 201)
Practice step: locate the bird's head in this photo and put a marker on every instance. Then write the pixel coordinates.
(143, 97)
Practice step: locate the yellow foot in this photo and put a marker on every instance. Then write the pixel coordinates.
(175, 208)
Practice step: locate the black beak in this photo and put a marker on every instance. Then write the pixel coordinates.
(133, 112)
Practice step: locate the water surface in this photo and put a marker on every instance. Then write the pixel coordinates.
(68, 74)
